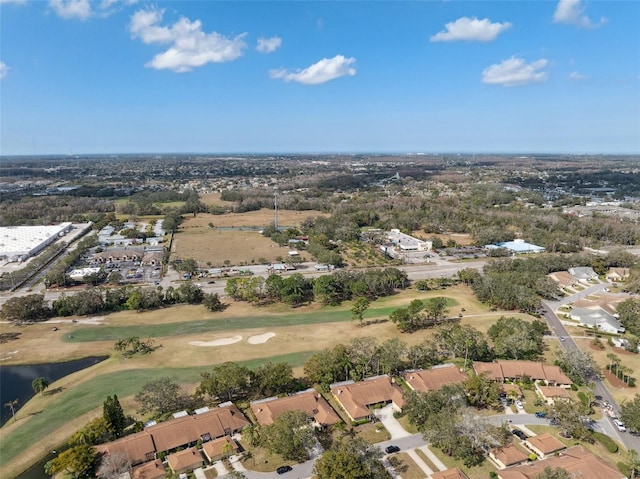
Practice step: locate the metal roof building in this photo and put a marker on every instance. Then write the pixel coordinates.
(517, 246)
(18, 243)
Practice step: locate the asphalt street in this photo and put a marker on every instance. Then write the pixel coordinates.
(557, 327)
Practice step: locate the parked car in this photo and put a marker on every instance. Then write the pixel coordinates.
(541, 414)
(520, 434)
(620, 425)
(283, 469)
(519, 404)
(391, 449)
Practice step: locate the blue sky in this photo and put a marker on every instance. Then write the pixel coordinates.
(126, 76)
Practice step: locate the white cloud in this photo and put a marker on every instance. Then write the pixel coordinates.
(189, 46)
(576, 75)
(515, 71)
(570, 11)
(471, 29)
(323, 71)
(4, 70)
(268, 45)
(80, 9)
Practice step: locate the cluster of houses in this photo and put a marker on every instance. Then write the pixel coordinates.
(597, 314)
(188, 442)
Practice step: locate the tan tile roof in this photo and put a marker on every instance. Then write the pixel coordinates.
(185, 460)
(563, 278)
(493, 370)
(214, 449)
(545, 443)
(454, 473)
(517, 369)
(554, 392)
(220, 421)
(555, 374)
(355, 397)
(511, 369)
(184, 430)
(434, 379)
(150, 470)
(309, 401)
(509, 455)
(137, 448)
(577, 461)
(174, 433)
(618, 272)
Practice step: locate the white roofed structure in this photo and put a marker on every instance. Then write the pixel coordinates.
(18, 243)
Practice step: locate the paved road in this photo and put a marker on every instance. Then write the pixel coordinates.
(628, 440)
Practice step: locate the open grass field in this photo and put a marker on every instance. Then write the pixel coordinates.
(259, 219)
(461, 239)
(298, 334)
(217, 248)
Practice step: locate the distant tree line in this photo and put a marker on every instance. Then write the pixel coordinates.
(33, 308)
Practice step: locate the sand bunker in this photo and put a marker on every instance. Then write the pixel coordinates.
(217, 342)
(261, 338)
(93, 320)
(10, 353)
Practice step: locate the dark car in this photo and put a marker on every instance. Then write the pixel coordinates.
(520, 434)
(391, 449)
(540, 414)
(283, 469)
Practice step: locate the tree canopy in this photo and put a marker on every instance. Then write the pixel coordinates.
(162, 396)
(353, 459)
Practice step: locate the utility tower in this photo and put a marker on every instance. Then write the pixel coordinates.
(275, 208)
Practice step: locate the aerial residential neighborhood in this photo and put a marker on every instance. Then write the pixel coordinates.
(517, 349)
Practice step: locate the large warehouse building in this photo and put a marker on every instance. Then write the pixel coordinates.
(18, 243)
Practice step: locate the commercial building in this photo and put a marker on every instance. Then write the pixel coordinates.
(19, 243)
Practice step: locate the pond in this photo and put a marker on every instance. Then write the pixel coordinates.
(15, 381)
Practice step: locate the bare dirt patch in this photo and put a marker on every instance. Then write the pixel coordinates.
(613, 380)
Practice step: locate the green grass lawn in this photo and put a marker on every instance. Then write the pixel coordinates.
(113, 333)
(91, 394)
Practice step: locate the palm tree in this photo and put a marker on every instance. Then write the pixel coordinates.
(39, 385)
(252, 434)
(612, 359)
(12, 405)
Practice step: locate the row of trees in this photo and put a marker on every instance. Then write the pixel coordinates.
(420, 314)
(331, 289)
(33, 307)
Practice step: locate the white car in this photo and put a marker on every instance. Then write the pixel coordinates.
(519, 405)
(620, 425)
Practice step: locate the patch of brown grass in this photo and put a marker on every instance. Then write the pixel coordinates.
(258, 218)
(406, 467)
